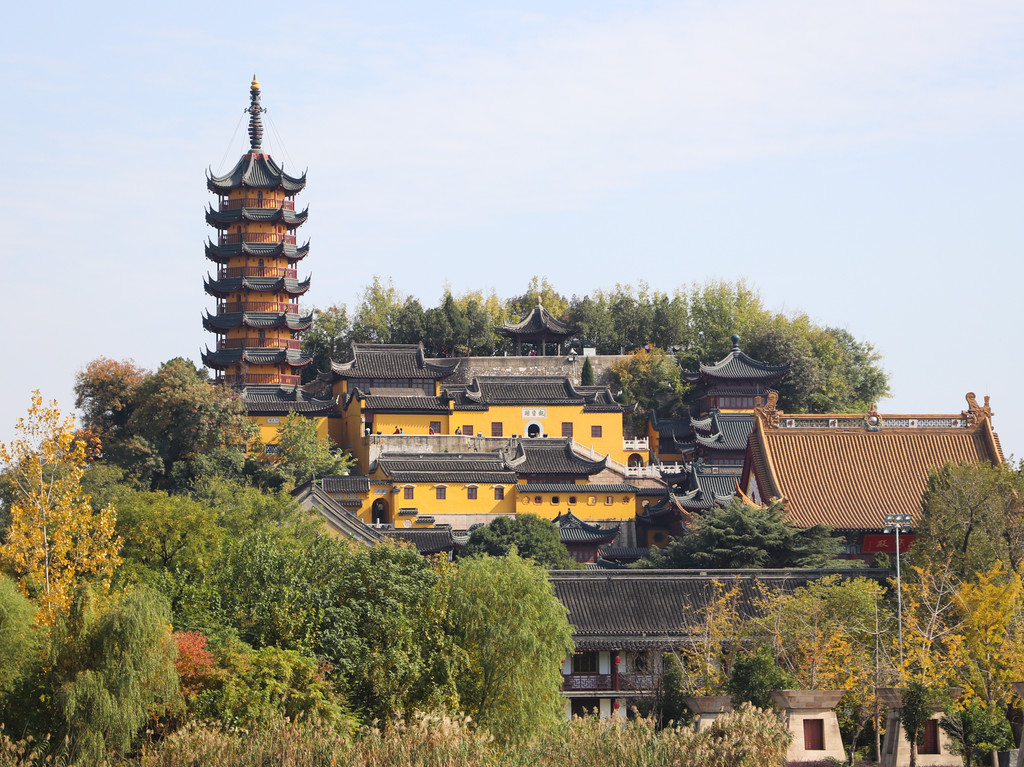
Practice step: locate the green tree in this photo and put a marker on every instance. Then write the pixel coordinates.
(410, 323)
(327, 339)
(919, 703)
(651, 379)
(972, 517)
(303, 453)
(167, 531)
(376, 319)
(754, 677)
(743, 536)
(529, 535)
(514, 631)
(110, 670)
(19, 640)
(977, 729)
(591, 315)
(587, 373)
(105, 394)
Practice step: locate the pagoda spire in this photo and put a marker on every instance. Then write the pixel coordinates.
(255, 117)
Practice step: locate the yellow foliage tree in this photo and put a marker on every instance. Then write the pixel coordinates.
(55, 538)
(715, 638)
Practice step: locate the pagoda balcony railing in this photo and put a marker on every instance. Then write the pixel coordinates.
(256, 202)
(256, 271)
(230, 307)
(258, 343)
(259, 378)
(234, 238)
(610, 682)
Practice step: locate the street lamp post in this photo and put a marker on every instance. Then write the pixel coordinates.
(896, 523)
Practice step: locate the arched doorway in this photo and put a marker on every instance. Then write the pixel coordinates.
(635, 460)
(534, 430)
(380, 513)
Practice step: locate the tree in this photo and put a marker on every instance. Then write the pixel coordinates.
(651, 379)
(587, 373)
(302, 453)
(19, 642)
(743, 536)
(111, 670)
(972, 517)
(754, 677)
(529, 535)
(183, 428)
(327, 339)
(167, 531)
(715, 638)
(377, 316)
(519, 306)
(55, 539)
(919, 703)
(515, 633)
(976, 729)
(105, 393)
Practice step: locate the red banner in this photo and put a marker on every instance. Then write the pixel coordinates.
(886, 544)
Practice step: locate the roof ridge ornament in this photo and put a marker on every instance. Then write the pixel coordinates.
(768, 413)
(735, 342)
(976, 413)
(255, 119)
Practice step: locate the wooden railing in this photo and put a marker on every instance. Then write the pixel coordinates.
(613, 682)
(258, 343)
(234, 238)
(256, 202)
(256, 271)
(228, 307)
(259, 378)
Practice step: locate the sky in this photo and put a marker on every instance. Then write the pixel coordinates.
(858, 162)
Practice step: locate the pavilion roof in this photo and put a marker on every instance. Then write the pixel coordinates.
(736, 365)
(256, 170)
(539, 323)
(572, 529)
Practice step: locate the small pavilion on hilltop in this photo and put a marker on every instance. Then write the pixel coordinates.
(538, 327)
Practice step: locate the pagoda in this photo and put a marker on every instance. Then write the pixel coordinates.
(257, 319)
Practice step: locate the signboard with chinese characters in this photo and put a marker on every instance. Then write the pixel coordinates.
(535, 412)
(886, 544)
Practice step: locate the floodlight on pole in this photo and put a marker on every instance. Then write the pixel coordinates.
(895, 523)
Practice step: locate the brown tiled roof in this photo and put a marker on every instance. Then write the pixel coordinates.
(850, 478)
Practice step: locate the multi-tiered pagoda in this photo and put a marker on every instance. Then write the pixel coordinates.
(257, 319)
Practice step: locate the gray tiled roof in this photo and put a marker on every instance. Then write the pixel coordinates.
(555, 456)
(390, 404)
(585, 489)
(727, 431)
(222, 253)
(257, 171)
(572, 529)
(656, 609)
(737, 365)
(222, 322)
(353, 483)
(225, 218)
(221, 288)
(425, 541)
(310, 495)
(538, 322)
(531, 390)
(223, 357)
(446, 467)
(392, 361)
(283, 399)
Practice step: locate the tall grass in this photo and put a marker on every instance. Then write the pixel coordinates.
(748, 737)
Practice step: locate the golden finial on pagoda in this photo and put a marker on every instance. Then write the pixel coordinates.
(255, 84)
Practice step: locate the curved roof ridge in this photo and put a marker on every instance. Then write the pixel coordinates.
(538, 320)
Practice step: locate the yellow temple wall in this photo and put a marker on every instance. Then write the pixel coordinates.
(456, 501)
(589, 504)
(270, 425)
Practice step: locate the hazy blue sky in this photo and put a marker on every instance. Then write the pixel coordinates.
(860, 162)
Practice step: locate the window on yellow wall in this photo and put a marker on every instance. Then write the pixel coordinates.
(609, 500)
(435, 427)
(499, 493)
(496, 429)
(554, 499)
(567, 429)
(467, 429)
(591, 501)
(595, 432)
(572, 500)
(407, 493)
(441, 493)
(471, 493)
(538, 499)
